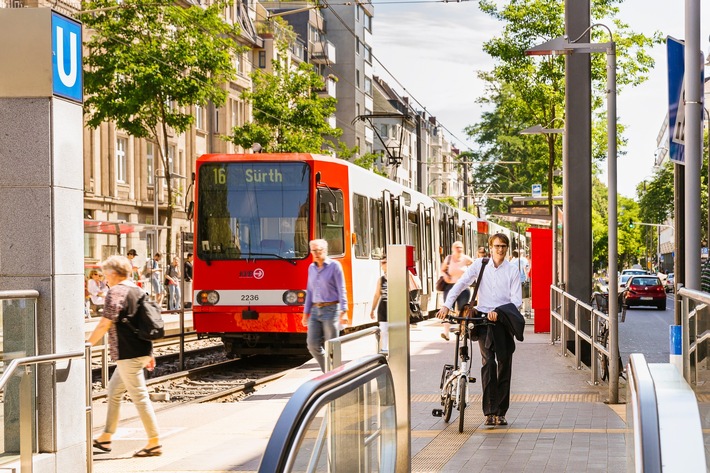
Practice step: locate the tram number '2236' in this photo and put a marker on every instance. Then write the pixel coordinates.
(249, 297)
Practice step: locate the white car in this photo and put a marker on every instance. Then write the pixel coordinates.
(623, 279)
(634, 272)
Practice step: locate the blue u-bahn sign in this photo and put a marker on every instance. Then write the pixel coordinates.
(66, 58)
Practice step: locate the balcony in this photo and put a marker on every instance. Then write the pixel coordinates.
(322, 52)
(330, 87)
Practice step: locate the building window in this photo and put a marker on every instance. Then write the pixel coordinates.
(150, 162)
(368, 85)
(357, 46)
(171, 165)
(199, 117)
(357, 79)
(262, 59)
(121, 162)
(233, 104)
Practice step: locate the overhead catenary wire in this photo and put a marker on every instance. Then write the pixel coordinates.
(397, 81)
(327, 65)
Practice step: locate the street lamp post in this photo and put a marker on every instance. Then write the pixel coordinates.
(170, 175)
(562, 45)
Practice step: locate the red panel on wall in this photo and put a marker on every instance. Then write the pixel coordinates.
(541, 276)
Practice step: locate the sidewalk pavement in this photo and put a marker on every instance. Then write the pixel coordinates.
(557, 421)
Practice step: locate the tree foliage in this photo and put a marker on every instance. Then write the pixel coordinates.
(149, 63)
(289, 115)
(522, 91)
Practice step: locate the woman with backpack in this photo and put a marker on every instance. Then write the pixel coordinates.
(130, 352)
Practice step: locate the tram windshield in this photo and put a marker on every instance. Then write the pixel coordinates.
(254, 210)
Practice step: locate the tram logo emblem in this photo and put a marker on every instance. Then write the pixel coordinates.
(258, 273)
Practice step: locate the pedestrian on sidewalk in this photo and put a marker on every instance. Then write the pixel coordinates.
(499, 296)
(172, 281)
(130, 353)
(326, 301)
(379, 305)
(453, 268)
(187, 274)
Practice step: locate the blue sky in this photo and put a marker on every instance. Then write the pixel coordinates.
(434, 51)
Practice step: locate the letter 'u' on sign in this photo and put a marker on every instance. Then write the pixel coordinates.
(66, 58)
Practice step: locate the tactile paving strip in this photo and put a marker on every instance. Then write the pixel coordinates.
(445, 445)
(565, 397)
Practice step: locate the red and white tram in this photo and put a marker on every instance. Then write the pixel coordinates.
(254, 217)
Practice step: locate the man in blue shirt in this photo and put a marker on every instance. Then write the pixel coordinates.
(326, 301)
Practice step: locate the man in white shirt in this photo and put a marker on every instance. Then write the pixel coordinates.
(499, 286)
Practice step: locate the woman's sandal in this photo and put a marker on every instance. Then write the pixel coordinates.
(149, 452)
(103, 446)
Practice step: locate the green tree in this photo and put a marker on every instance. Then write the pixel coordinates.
(149, 63)
(522, 91)
(289, 115)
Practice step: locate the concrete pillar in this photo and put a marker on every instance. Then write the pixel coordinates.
(41, 225)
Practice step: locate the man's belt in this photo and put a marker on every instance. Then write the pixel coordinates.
(324, 304)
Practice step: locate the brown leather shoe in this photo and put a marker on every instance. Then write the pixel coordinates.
(490, 420)
(500, 420)
(445, 336)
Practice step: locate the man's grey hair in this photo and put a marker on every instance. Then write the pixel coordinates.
(319, 244)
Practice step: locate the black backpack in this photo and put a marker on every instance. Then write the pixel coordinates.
(146, 322)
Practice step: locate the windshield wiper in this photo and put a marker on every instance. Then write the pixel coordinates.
(248, 255)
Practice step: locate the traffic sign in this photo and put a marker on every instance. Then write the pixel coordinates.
(537, 190)
(676, 91)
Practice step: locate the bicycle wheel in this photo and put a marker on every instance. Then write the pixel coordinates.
(602, 358)
(462, 400)
(448, 401)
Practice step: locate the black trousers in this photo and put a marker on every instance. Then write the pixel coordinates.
(495, 379)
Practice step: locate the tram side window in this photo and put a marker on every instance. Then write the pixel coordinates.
(377, 226)
(330, 219)
(413, 233)
(362, 235)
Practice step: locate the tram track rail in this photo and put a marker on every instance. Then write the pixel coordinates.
(233, 379)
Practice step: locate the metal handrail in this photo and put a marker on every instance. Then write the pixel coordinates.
(646, 427)
(20, 294)
(688, 316)
(26, 396)
(309, 399)
(334, 346)
(579, 334)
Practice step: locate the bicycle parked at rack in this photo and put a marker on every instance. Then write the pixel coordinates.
(600, 301)
(455, 377)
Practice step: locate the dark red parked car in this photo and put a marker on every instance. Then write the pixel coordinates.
(645, 290)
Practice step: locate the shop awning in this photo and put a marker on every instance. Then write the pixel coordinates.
(117, 228)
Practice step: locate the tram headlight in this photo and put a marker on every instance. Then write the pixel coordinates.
(294, 297)
(208, 297)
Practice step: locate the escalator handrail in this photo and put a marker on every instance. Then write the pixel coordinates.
(647, 440)
(312, 394)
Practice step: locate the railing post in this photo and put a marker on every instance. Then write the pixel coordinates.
(563, 329)
(104, 362)
(577, 344)
(26, 425)
(686, 337)
(594, 355)
(89, 409)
